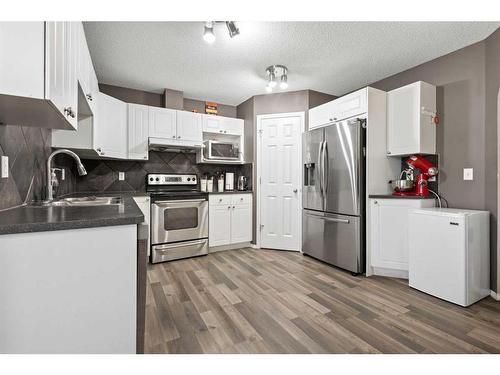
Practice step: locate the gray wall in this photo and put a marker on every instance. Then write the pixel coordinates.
(492, 72)
(173, 99)
(133, 96)
(466, 81)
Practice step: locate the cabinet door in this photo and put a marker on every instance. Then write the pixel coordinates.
(389, 234)
(403, 121)
(219, 225)
(83, 63)
(322, 115)
(61, 66)
(232, 126)
(138, 131)
(162, 122)
(241, 223)
(351, 105)
(189, 126)
(211, 124)
(22, 59)
(110, 127)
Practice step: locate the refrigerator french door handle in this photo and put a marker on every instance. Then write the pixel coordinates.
(325, 168)
(320, 173)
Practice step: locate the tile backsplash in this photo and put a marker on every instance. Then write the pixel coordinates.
(28, 149)
(103, 174)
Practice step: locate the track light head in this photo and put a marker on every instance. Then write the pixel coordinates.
(208, 33)
(284, 82)
(233, 30)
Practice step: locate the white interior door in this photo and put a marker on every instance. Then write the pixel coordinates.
(280, 181)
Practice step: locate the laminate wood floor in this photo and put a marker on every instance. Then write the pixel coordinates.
(265, 301)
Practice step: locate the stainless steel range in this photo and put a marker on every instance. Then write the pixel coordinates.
(179, 217)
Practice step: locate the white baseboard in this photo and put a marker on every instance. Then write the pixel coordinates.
(241, 245)
(495, 296)
(254, 246)
(400, 274)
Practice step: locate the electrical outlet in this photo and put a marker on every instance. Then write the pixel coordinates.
(121, 176)
(468, 174)
(5, 167)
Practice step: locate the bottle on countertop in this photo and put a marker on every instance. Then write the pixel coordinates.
(210, 184)
(220, 182)
(203, 183)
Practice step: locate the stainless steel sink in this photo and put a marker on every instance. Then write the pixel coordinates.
(81, 202)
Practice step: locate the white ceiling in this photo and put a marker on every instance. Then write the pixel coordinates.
(332, 57)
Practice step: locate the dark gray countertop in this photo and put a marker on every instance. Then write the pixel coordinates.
(231, 192)
(390, 196)
(26, 219)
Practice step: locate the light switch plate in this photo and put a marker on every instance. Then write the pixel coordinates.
(5, 167)
(468, 174)
(121, 176)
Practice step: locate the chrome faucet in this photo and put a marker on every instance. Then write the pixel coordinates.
(51, 172)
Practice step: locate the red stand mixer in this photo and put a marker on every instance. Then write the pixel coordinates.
(420, 186)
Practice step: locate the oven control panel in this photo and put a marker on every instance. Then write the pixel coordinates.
(172, 179)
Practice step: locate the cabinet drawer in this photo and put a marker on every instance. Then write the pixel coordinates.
(219, 200)
(241, 199)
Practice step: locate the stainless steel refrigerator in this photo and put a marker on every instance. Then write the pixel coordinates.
(333, 194)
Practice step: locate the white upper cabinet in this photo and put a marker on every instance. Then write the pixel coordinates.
(111, 127)
(138, 131)
(162, 123)
(85, 70)
(410, 129)
(22, 46)
(61, 68)
(222, 125)
(189, 126)
(350, 105)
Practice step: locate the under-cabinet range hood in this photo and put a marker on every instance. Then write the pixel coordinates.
(167, 145)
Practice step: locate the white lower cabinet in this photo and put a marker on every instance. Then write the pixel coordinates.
(230, 219)
(387, 242)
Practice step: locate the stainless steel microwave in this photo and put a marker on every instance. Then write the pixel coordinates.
(221, 150)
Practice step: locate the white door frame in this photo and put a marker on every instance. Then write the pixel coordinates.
(259, 163)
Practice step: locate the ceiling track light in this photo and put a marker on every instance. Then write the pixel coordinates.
(233, 30)
(209, 35)
(274, 74)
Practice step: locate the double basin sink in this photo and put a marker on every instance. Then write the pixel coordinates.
(81, 202)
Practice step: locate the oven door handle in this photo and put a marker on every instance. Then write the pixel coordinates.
(165, 248)
(165, 203)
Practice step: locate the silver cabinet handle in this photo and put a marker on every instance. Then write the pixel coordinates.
(228, 207)
(295, 190)
(178, 137)
(173, 136)
(234, 207)
(69, 112)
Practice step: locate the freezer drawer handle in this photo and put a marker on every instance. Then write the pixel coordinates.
(344, 221)
(165, 248)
